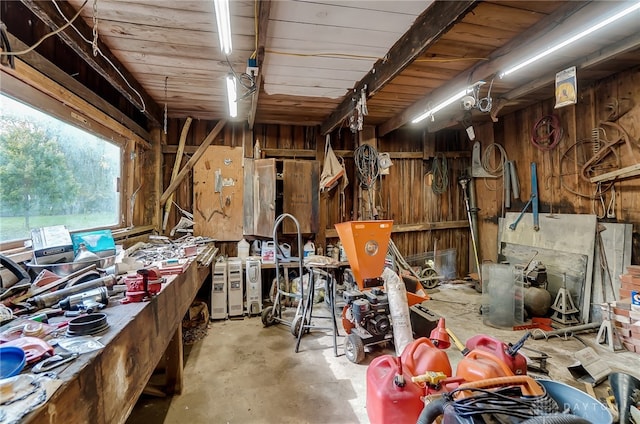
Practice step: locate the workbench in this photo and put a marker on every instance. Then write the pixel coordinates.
(103, 386)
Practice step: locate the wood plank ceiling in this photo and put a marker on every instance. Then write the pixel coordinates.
(316, 53)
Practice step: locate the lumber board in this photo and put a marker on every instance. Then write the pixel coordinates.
(194, 159)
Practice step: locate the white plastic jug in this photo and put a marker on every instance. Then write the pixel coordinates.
(243, 249)
(309, 249)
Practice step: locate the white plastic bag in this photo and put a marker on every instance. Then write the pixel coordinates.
(397, 294)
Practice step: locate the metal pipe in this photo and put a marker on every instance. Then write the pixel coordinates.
(568, 331)
(50, 299)
(464, 182)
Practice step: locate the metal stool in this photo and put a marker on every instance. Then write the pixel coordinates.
(303, 323)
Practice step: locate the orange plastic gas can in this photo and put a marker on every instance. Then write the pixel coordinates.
(391, 400)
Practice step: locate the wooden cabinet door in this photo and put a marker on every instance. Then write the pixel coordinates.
(301, 193)
(218, 194)
(259, 197)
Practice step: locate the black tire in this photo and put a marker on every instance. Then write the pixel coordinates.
(267, 316)
(354, 348)
(296, 325)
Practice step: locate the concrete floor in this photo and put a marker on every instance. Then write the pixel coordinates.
(245, 373)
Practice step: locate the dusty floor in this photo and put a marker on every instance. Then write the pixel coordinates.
(245, 373)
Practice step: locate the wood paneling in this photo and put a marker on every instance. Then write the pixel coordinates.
(218, 185)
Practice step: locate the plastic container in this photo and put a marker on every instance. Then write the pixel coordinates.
(481, 365)
(243, 249)
(309, 249)
(387, 401)
(268, 252)
(517, 364)
(12, 361)
(578, 402)
(421, 356)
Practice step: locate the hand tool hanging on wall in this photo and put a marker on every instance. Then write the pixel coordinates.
(533, 201)
(464, 181)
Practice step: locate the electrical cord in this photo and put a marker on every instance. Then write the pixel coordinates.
(440, 172)
(44, 37)
(494, 168)
(485, 103)
(5, 46)
(366, 160)
(504, 401)
(97, 50)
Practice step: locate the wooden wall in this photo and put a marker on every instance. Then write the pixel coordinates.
(422, 218)
(558, 168)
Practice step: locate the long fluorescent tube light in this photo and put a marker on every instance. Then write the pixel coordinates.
(447, 102)
(232, 96)
(576, 37)
(223, 19)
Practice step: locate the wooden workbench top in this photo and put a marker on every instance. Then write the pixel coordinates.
(104, 385)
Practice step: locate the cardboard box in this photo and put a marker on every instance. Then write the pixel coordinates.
(99, 242)
(51, 245)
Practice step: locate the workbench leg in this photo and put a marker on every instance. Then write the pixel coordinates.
(174, 363)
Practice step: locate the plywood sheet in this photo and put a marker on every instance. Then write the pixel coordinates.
(218, 193)
(563, 268)
(616, 239)
(564, 233)
(301, 192)
(259, 197)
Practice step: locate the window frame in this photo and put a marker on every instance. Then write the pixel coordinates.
(28, 85)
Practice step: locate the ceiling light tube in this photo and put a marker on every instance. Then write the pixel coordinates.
(609, 20)
(447, 102)
(232, 96)
(223, 19)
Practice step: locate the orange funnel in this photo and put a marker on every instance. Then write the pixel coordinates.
(366, 244)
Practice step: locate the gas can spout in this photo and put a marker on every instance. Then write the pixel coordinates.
(513, 349)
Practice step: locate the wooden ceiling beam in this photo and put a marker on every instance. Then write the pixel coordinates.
(264, 11)
(425, 31)
(498, 60)
(47, 13)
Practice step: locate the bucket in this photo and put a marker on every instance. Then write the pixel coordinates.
(579, 403)
(387, 402)
(243, 249)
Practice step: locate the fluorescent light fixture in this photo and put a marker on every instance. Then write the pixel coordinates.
(576, 37)
(447, 102)
(224, 24)
(232, 96)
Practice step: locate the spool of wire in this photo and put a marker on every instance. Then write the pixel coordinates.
(547, 132)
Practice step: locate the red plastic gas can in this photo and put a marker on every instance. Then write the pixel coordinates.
(387, 401)
(421, 356)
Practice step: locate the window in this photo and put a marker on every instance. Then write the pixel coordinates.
(53, 173)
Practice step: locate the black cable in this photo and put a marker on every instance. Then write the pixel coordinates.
(6, 45)
(505, 401)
